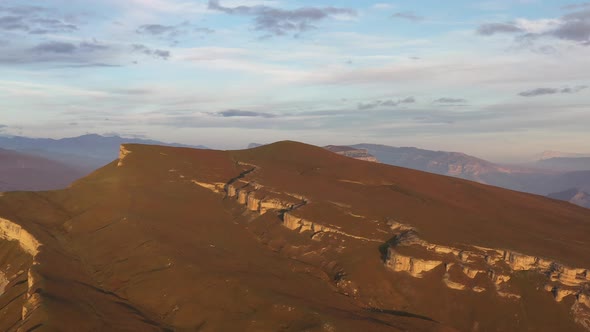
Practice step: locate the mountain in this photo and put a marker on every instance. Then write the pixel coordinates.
(574, 196)
(557, 154)
(565, 164)
(20, 171)
(441, 162)
(527, 179)
(360, 154)
(87, 152)
(288, 237)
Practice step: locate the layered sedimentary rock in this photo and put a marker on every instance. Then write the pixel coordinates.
(14, 232)
(10, 231)
(497, 264)
(258, 198)
(123, 153)
(416, 267)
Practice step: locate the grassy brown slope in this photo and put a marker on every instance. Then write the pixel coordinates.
(444, 209)
(140, 247)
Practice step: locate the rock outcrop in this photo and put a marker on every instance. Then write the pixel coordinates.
(123, 153)
(498, 265)
(261, 199)
(11, 231)
(360, 154)
(416, 267)
(14, 232)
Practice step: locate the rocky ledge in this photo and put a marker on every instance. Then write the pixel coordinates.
(474, 268)
(11, 231)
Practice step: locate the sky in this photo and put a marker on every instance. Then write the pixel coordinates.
(499, 79)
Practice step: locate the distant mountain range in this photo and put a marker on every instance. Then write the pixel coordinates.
(20, 171)
(44, 163)
(558, 154)
(565, 163)
(542, 181)
(575, 196)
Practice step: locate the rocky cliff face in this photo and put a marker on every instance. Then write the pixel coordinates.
(288, 235)
(472, 268)
(360, 154)
(10, 231)
(123, 153)
(464, 268)
(260, 199)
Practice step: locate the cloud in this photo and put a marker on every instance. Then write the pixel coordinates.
(93, 46)
(574, 26)
(64, 54)
(33, 20)
(280, 22)
(55, 47)
(551, 91)
(410, 16)
(157, 29)
(385, 103)
(450, 101)
(51, 25)
(91, 65)
(494, 28)
(171, 33)
(239, 113)
(13, 23)
(156, 53)
(59, 47)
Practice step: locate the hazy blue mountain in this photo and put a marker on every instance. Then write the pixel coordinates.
(527, 179)
(565, 163)
(20, 171)
(86, 153)
(574, 196)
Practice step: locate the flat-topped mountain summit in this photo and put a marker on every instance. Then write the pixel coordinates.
(288, 237)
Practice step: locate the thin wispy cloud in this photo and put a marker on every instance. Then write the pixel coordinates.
(385, 103)
(280, 22)
(409, 16)
(248, 114)
(446, 100)
(495, 28)
(573, 26)
(155, 53)
(283, 67)
(551, 91)
(34, 20)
